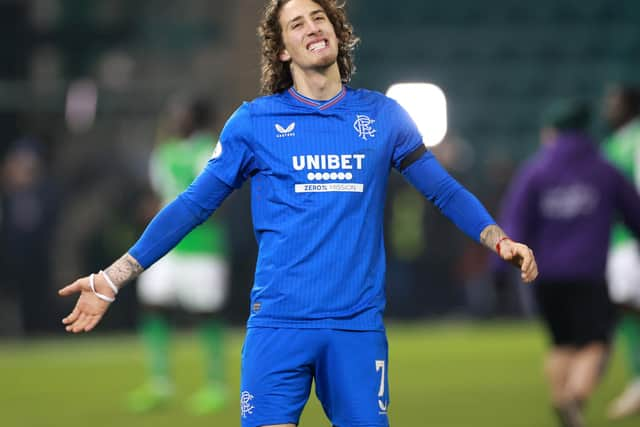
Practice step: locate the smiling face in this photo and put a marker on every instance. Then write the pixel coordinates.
(308, 36)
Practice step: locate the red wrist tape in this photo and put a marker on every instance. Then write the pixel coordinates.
(502, 239)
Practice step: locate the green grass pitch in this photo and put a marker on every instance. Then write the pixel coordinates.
(441, 375)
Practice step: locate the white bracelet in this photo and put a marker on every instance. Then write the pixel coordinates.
(92, 285)
(113, 287)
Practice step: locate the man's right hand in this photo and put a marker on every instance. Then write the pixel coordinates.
(89, 308)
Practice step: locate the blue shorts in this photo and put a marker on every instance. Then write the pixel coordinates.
(349, 368)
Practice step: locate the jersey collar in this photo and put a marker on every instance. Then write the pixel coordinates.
(321, 105)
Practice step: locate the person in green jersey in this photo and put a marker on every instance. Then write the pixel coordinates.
(193, 277)
(622, 148)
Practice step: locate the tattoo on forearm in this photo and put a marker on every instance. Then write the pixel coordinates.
(124, 269)
(491, 235)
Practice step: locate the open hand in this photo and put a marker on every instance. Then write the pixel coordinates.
(88, 310)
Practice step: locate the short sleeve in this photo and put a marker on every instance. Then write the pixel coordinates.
(405, 133)
(233, 161)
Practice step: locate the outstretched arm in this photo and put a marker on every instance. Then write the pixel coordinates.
(93, 303)
(169, 226)
(466, 211)
(518, 254)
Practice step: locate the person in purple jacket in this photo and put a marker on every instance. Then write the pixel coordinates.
(563, 203)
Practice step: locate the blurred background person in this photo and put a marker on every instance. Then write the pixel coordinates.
(194, 276)
(621, 111)
(563, 202)
(27, 217)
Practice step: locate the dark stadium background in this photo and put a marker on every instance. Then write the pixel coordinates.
(499, 62)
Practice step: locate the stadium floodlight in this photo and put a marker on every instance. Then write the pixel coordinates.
(427, 106)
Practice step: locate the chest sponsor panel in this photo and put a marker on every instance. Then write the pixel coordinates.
(351, 187)
(322, 171)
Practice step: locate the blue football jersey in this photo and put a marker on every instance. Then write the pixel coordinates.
(319, 175)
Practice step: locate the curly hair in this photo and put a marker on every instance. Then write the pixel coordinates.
(276, 75)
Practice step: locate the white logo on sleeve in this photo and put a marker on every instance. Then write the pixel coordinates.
(288, 131)
(217, 151)
(246, 408)
(363, 125)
